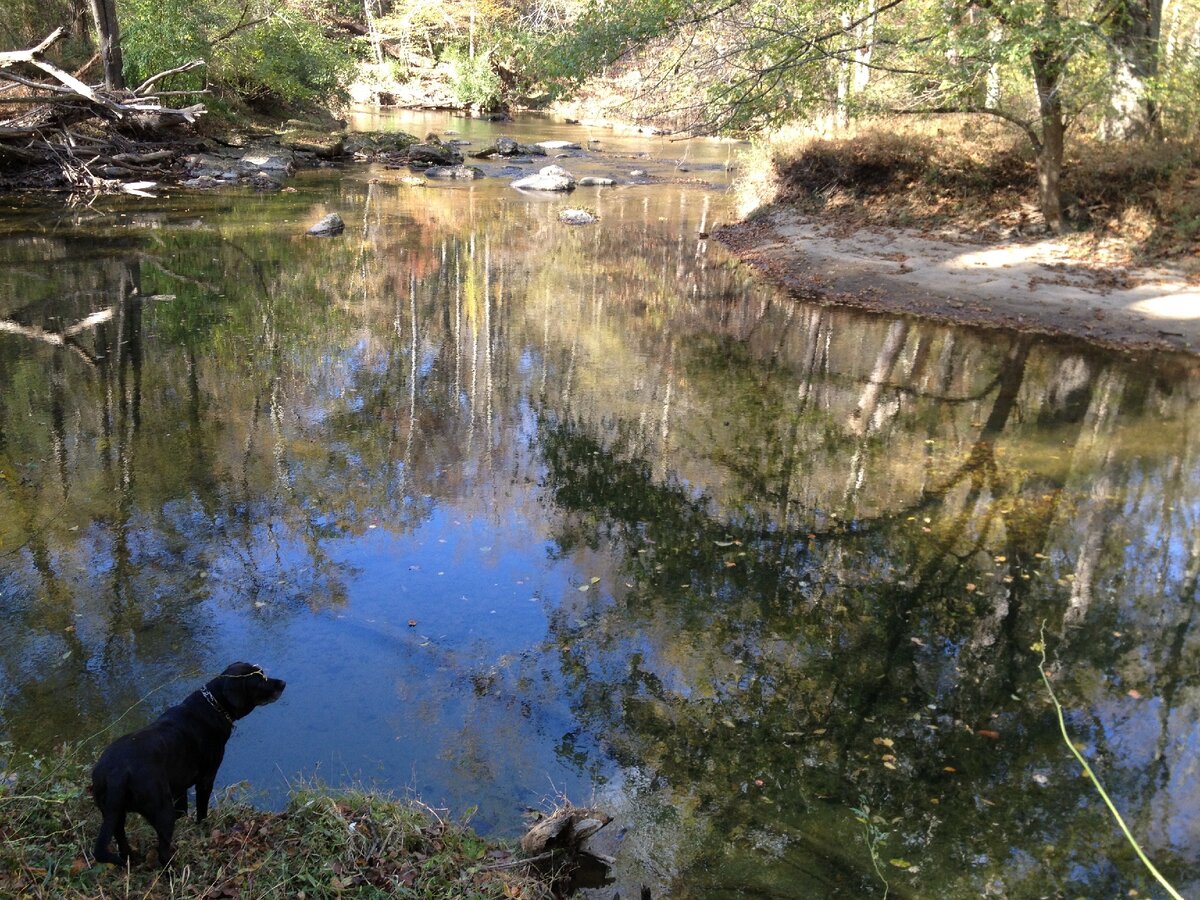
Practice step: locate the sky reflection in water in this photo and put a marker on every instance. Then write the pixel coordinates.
(519, 509)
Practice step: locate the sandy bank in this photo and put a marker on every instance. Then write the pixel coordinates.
(1034, 284)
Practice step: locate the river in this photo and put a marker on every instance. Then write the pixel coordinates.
(522, 510)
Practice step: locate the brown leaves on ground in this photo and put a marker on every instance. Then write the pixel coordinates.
(1127, 202)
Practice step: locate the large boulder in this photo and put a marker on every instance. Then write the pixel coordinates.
(433, 155)
(273, 162)
(208, 165)
(507, 147)
(371, 144)
(321, 146)
(550, 178)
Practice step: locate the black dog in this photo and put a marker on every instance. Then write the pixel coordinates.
(150, 771)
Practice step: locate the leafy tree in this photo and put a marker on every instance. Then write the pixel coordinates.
(741, 65)
(255, 49)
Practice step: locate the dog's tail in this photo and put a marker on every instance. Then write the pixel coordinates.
(109, 795)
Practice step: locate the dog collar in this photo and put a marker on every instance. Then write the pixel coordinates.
(207, 695)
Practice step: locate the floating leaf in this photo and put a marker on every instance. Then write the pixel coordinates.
(988, 733)
(886, 742)
(595, 579)
(900, 863)
(1136, 695)
(584, 587)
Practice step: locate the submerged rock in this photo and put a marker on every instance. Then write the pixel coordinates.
(454, 172)
(203, 181)
(577, 217)
(550, 178)
(328, 226)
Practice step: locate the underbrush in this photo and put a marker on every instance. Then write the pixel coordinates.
(1141, 200)
(326, 843)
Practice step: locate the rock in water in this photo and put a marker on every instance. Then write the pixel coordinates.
(550, 178)
(454, 172)
(596, 181)
(330, 225)
(576, 217)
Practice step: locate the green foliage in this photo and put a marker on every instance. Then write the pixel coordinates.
(475, 82)
(603, 33)
(260, 51)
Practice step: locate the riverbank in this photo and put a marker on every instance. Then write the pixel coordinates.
(1032, 284)
(943, 223)
(325, 843)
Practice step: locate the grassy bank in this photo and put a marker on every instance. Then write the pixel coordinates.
(326, 843)
(1131, 202)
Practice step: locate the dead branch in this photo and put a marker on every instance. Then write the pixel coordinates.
(141, 89)
(114, 105)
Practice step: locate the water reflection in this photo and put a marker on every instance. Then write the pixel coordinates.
(518, 508)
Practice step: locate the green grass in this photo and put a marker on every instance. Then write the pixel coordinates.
(326, 843)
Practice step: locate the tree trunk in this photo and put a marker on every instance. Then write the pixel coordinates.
(1048, 68)
(841, 106)
(866, 46)
(108, 37)
(1132, 112)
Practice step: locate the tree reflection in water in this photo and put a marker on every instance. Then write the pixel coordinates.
(787, 559)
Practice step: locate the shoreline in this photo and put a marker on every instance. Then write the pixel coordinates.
(1029, 284)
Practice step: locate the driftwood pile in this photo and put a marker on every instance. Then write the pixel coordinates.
(58, 131)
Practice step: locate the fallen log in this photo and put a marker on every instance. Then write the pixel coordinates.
(61, 114)
(111, 104)
(565, 829)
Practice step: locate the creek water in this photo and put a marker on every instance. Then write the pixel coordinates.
(522, 511)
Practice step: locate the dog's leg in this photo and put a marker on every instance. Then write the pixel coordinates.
(163, 822)
(111, 800)
(107, 828)
(204, 786)
(122, 840)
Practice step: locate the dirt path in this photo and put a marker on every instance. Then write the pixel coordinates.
(1033, 284)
